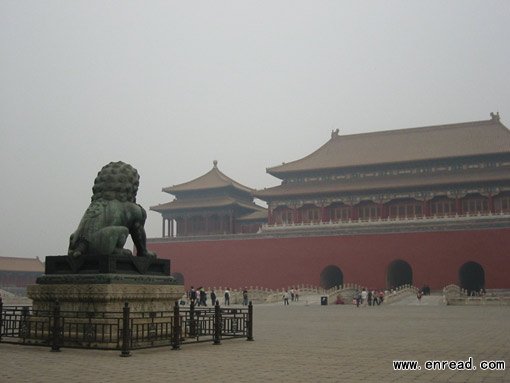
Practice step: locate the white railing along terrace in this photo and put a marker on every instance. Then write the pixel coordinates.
(383, 221)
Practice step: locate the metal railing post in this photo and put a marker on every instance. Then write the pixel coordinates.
(125, 331)
(249, 324)
(1, 317)
(55, 343)
(23, 323)
(217, 324)
(192, 327)
(176, 328)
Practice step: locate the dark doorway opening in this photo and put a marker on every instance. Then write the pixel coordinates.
(399, 274)
(331, 276)
(472, 277)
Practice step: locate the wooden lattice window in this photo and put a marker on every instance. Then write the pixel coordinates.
(340, 213)
(475, 205)
(502, 203)
(283, 216)
(369, 211)
(442, 207)
(310, 214)
(406, 209)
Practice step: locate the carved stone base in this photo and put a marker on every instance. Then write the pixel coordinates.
(105, 293)
(106, 264)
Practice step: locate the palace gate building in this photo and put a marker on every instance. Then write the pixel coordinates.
(425, 206)
(16, 273)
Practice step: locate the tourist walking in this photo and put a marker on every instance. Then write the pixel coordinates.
(226, 297)
(381, 297)
(364, 297)
(245, 296)
(286, 298)
(192, 296)
(375, 298)
(357, 298)
(202, 297)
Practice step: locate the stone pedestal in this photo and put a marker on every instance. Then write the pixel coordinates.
(98, 297)
(105, 292)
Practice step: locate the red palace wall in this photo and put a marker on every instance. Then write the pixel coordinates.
(435, 258)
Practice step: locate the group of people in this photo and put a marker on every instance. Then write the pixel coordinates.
(368, 297)
(290, 295)
(199, 297)
(479, 292)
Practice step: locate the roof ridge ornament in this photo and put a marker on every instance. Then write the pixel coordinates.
(495, 116)
(215, 163)
(334, 133)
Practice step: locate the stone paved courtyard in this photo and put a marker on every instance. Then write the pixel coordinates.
(297, 343)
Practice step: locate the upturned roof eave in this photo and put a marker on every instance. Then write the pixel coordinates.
(254, 216)
(177, 191)
(161, 208)
(283, 174)
(276, 192)
(305, 164)
(215, 176)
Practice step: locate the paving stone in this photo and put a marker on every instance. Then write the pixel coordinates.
(297, 343)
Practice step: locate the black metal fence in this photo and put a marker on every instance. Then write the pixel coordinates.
(124, 330)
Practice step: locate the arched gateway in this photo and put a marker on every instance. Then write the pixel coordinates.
(331, 276)
(399, 273)
(472, 277)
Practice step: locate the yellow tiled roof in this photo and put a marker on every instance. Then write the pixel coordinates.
(21, 264)
(404, 145)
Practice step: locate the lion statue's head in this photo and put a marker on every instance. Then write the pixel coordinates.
(117, 180)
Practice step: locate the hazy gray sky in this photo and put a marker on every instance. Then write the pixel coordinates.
(170, 86)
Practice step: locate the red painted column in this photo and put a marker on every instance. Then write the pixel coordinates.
(491, 203)
(382, 210)
(458, 205)
(353, 213)
(425, 208)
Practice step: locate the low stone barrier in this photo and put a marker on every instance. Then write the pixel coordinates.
(346, 293)
(400, 293)
(454, 295)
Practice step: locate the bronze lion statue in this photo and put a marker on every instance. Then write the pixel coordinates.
(112, 215)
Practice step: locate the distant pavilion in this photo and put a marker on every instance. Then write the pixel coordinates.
(212, 204)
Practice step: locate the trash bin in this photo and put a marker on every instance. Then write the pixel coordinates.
(324, 301)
